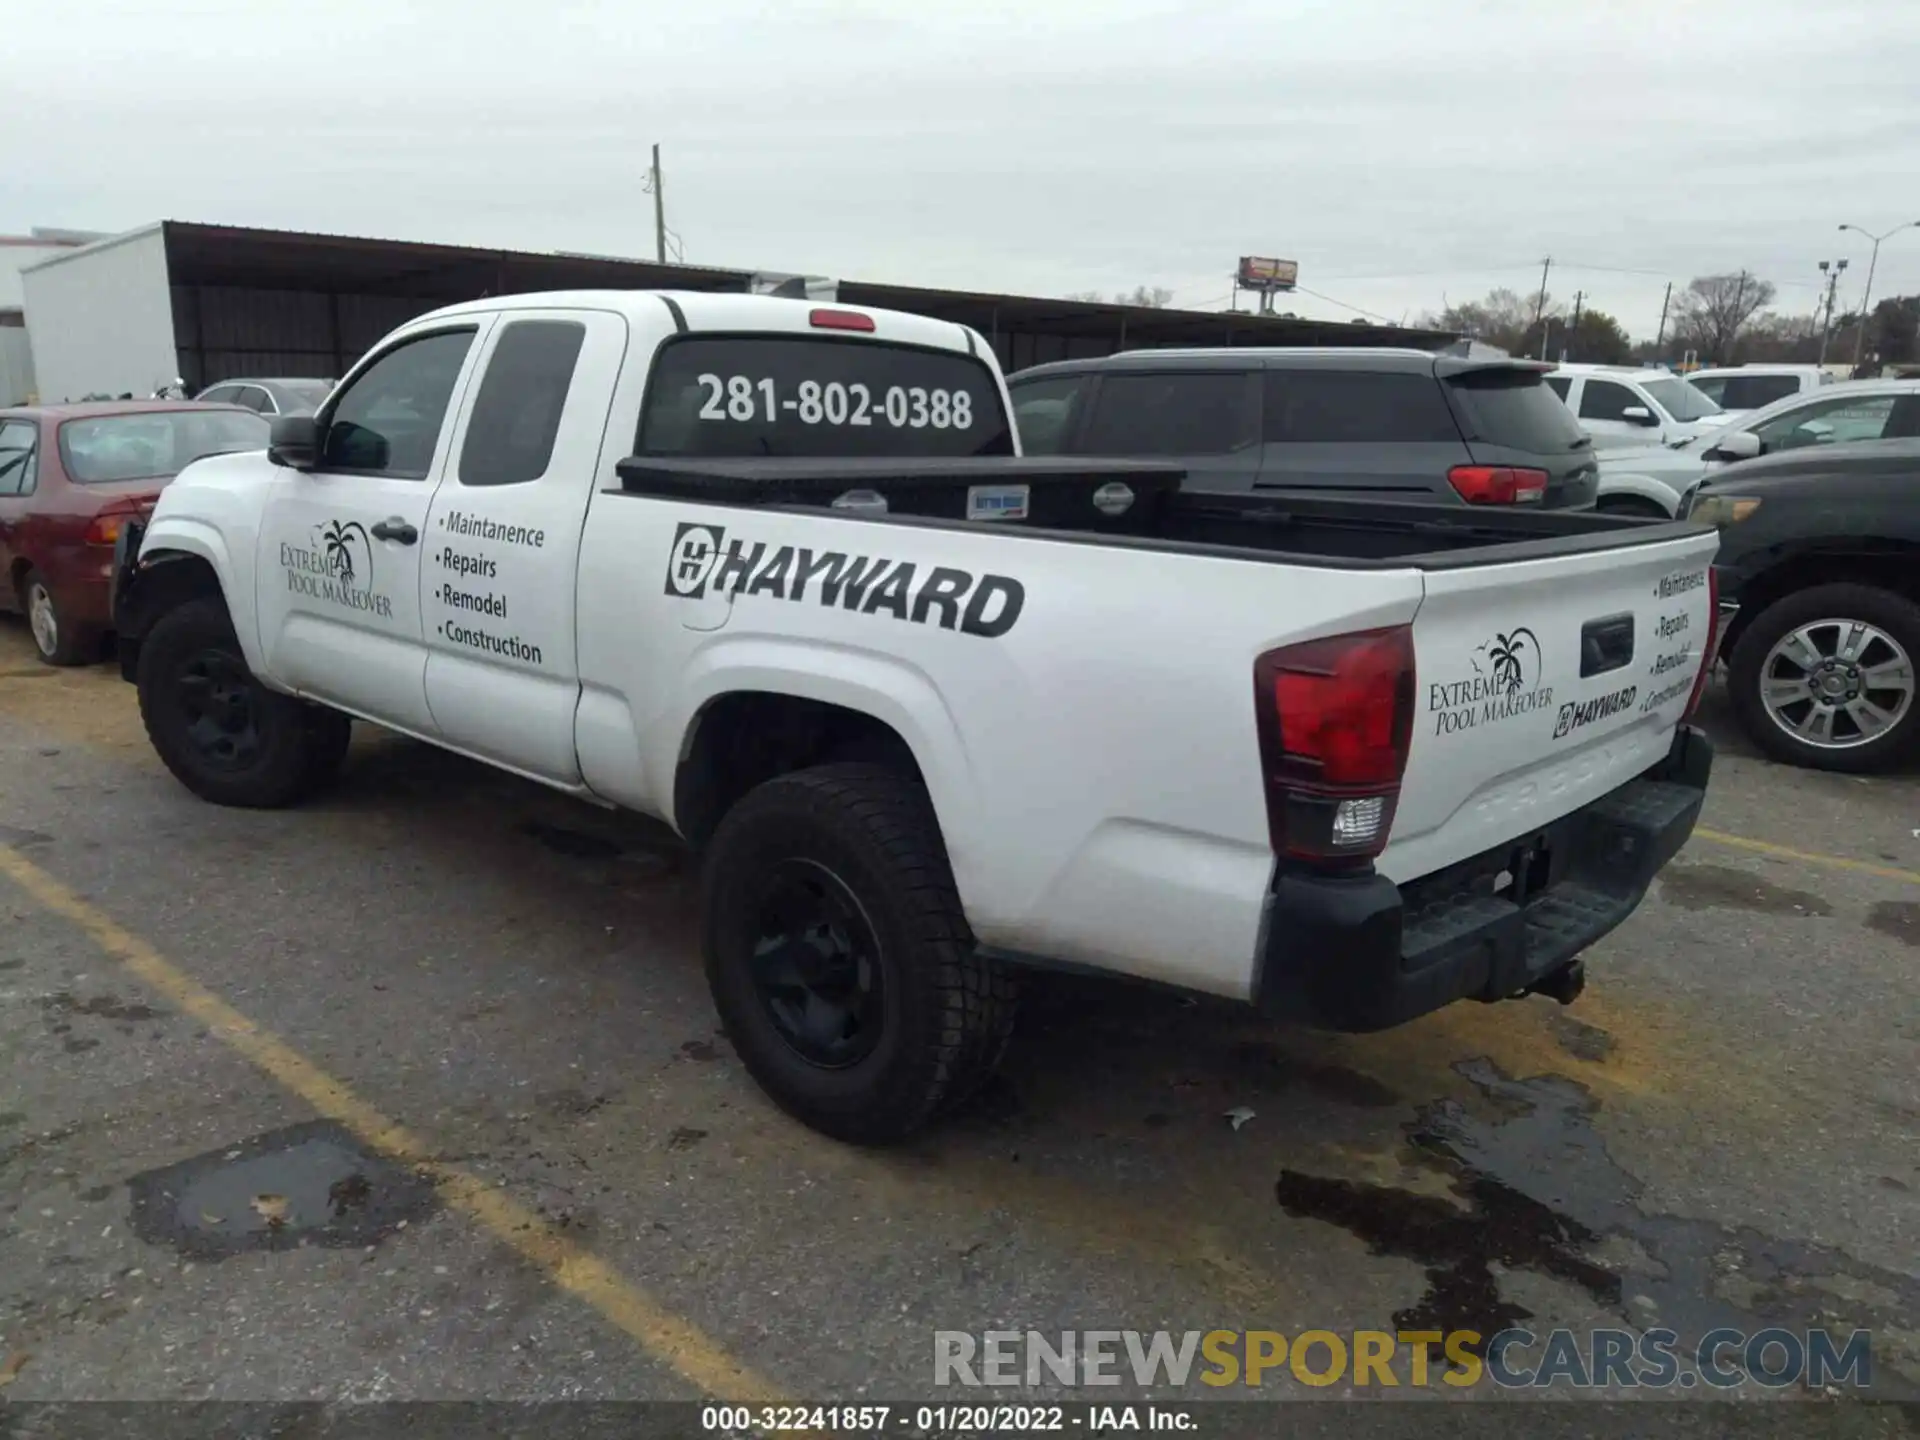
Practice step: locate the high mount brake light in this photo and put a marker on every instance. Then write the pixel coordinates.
(1335, 719)
(1713, 643)
(841, 320)
(1498, 484)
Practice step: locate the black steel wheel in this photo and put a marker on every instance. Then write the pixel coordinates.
(223, 734)
(839, 956)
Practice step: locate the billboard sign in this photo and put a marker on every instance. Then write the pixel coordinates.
(1259, 272)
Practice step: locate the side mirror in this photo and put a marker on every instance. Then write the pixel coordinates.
(1639, 415)
(294, 442)
(1735, 445)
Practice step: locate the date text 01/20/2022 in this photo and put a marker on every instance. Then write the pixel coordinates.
(943, 1419)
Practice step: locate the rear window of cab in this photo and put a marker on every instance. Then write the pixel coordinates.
(739, 396)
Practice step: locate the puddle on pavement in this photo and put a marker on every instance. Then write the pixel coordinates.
(1897, 918)
(1535, 1189)
(309, 1184)
(1716, 887)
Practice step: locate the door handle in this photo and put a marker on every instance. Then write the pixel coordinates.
(396, 529)
(1606, 645)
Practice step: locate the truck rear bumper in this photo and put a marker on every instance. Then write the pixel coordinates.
(1360, 953)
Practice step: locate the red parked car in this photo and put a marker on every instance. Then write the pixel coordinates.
(70, 477)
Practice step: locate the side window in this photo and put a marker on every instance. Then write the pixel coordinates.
(1561, 385)
(19, 457)
(1046, 411)
(253, 397)
(219, 395)
(387, 420)
(1353, 408)
(1750, 392)
(1207, 412)
(1604, 400)
(1827, 422)
(1715, 389)
(517, 415)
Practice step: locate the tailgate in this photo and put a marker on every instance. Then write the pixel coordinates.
(1543, 684)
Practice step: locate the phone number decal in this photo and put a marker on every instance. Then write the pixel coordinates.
(742, 399)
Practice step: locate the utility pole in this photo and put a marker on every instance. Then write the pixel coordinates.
(1866, 295)
(1540, 305)
(1573, 330)
(659, 212)
(1831, 269)
(1660, 335)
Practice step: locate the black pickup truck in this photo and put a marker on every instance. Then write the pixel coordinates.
(1819, 583)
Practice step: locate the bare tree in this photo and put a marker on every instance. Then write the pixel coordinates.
(1154, 297)
(1714, 312)
(1501, 318)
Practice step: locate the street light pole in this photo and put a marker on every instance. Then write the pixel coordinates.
(1866, 295)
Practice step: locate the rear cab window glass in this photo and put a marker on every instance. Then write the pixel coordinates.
(510, 435)
(736, 396)
(1512, 408)
(1201, 412)
(1046, 412)
(1561, 386)
(1355, 408)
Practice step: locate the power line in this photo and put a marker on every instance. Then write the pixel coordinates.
(1346, 305)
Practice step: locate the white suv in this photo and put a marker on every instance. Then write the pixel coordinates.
(1748, 387)
(1625, 408)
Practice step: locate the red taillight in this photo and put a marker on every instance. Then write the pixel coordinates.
(840, 320)
(1713, 641)
(1335, 718)
(104, 528)
(1497, 484)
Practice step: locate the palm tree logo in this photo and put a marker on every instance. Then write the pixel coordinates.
(337, 543)
(1507, 653)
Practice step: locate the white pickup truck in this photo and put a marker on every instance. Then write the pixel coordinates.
(928, 711)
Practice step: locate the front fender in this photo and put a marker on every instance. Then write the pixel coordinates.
(1646, 487)
(170, 537)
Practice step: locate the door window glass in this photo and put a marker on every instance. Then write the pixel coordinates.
(387, 420)
(19, 457)
(1207, 412)
(1045, 412)
(1604, 400)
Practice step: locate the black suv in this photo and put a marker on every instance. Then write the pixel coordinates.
(1404, 425)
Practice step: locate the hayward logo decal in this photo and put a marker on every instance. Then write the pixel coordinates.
(1577, 716)
(703, 560)
(336, 566)
(1507, 671)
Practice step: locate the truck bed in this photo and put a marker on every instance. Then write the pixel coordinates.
(1334, 533)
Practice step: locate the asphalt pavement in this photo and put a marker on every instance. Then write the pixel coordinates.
(416, 1093)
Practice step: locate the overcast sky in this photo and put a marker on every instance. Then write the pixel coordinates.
(1401, 152)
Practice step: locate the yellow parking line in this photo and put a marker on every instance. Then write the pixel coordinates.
(1809, 857)
(680, 1344)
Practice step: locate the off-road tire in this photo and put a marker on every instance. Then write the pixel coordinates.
(297, 746)
(1894, 614)
(949, 1009)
